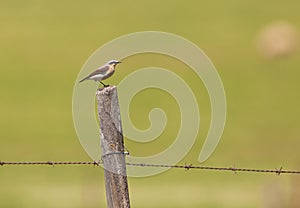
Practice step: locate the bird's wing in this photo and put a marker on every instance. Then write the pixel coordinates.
(100, 70)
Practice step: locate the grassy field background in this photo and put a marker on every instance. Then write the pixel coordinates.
(43, 47)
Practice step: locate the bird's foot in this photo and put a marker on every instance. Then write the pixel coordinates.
(104, 86)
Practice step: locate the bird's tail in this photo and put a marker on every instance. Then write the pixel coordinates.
(83, 80)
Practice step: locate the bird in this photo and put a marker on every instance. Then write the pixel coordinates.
(103, 72)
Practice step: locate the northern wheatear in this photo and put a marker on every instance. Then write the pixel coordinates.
(103, 72)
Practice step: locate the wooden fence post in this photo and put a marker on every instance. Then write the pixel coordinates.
(112, 147)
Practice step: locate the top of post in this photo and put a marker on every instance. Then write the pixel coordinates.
(106, 90)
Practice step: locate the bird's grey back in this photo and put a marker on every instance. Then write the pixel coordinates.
(100, 70)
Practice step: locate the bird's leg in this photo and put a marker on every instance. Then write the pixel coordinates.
(104, 85)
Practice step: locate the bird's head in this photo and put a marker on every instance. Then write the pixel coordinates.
(114, 62)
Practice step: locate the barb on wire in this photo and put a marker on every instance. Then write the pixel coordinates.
(186, 166)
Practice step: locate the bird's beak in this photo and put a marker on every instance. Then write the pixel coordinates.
(119, 62)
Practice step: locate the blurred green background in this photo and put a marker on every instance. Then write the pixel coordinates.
(43, 47)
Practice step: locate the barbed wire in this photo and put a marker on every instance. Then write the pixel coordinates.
(52, 163)
(186, 167)
(233, 169)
